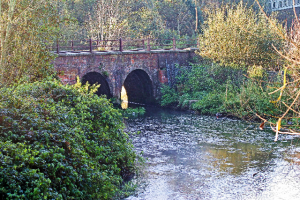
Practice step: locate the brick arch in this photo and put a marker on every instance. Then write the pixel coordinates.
(151, 73)
(139, 86)
(97, 69)
(94, 76)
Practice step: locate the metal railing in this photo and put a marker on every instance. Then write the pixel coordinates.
(122, 45)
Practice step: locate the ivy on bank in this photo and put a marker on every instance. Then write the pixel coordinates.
(61, 142)
(211, 89)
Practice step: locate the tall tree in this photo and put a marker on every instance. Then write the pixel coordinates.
(25, 26)
(146, 21)
(109, 19)
(237, 36)
(176, 16)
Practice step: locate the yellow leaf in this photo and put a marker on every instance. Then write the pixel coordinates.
(277, 129)
(282, 88)
(261, 127)
(278, 125)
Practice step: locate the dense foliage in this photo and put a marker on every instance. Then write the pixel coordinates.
(290, 82)
(212, 89)
(26, 28)
(61, 142)
(112, 19)
(236, 36)
(133, 112)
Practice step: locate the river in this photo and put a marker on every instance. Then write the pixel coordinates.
(192, 157)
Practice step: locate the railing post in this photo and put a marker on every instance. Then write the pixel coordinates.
(143, 43)
(57, 47)
(72, 45)
(174, 43)
(121, 45)
(148, 44)
(91, 48)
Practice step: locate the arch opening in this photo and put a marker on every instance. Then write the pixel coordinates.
(95, 77)
(138, 87)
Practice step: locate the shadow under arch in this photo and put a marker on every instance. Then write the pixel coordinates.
(95, 77)
(139, 88)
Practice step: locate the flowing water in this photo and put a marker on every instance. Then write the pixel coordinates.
(190, 156)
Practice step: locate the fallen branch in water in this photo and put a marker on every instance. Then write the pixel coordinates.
(275, 128)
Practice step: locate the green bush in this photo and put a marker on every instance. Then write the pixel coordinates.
(252, 99)
(169, 96)
(236, 36)
(61, 142)
(206, 77)
(134, 112)
(211, 103)
(214, 89)
(206, 83)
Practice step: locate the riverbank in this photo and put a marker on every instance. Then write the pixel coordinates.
(210, 89)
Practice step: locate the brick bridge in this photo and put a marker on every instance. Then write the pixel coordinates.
(141, 72)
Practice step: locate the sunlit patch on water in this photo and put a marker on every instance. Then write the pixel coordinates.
(199, 157)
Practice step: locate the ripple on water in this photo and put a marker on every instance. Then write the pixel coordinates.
(199, 157)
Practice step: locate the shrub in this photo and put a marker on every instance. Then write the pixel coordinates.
(133, 112)
(206, 77)
(236, 36)
(254, 99)
(214, 89)
(60, 142)
(169, 96)
(211, 103)
(28, 29)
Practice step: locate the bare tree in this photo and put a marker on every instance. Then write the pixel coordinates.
(288, 93)
(109, 21)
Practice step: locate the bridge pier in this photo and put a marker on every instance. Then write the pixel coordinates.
(113, 68)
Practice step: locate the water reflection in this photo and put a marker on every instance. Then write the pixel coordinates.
(199, 157)
(124, 98)
(236, 158)
(293, 156)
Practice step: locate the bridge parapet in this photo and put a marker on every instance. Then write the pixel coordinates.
(126, 52)
(122, 45)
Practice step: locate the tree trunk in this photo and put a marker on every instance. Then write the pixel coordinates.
(5, 39)
(196, 16)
